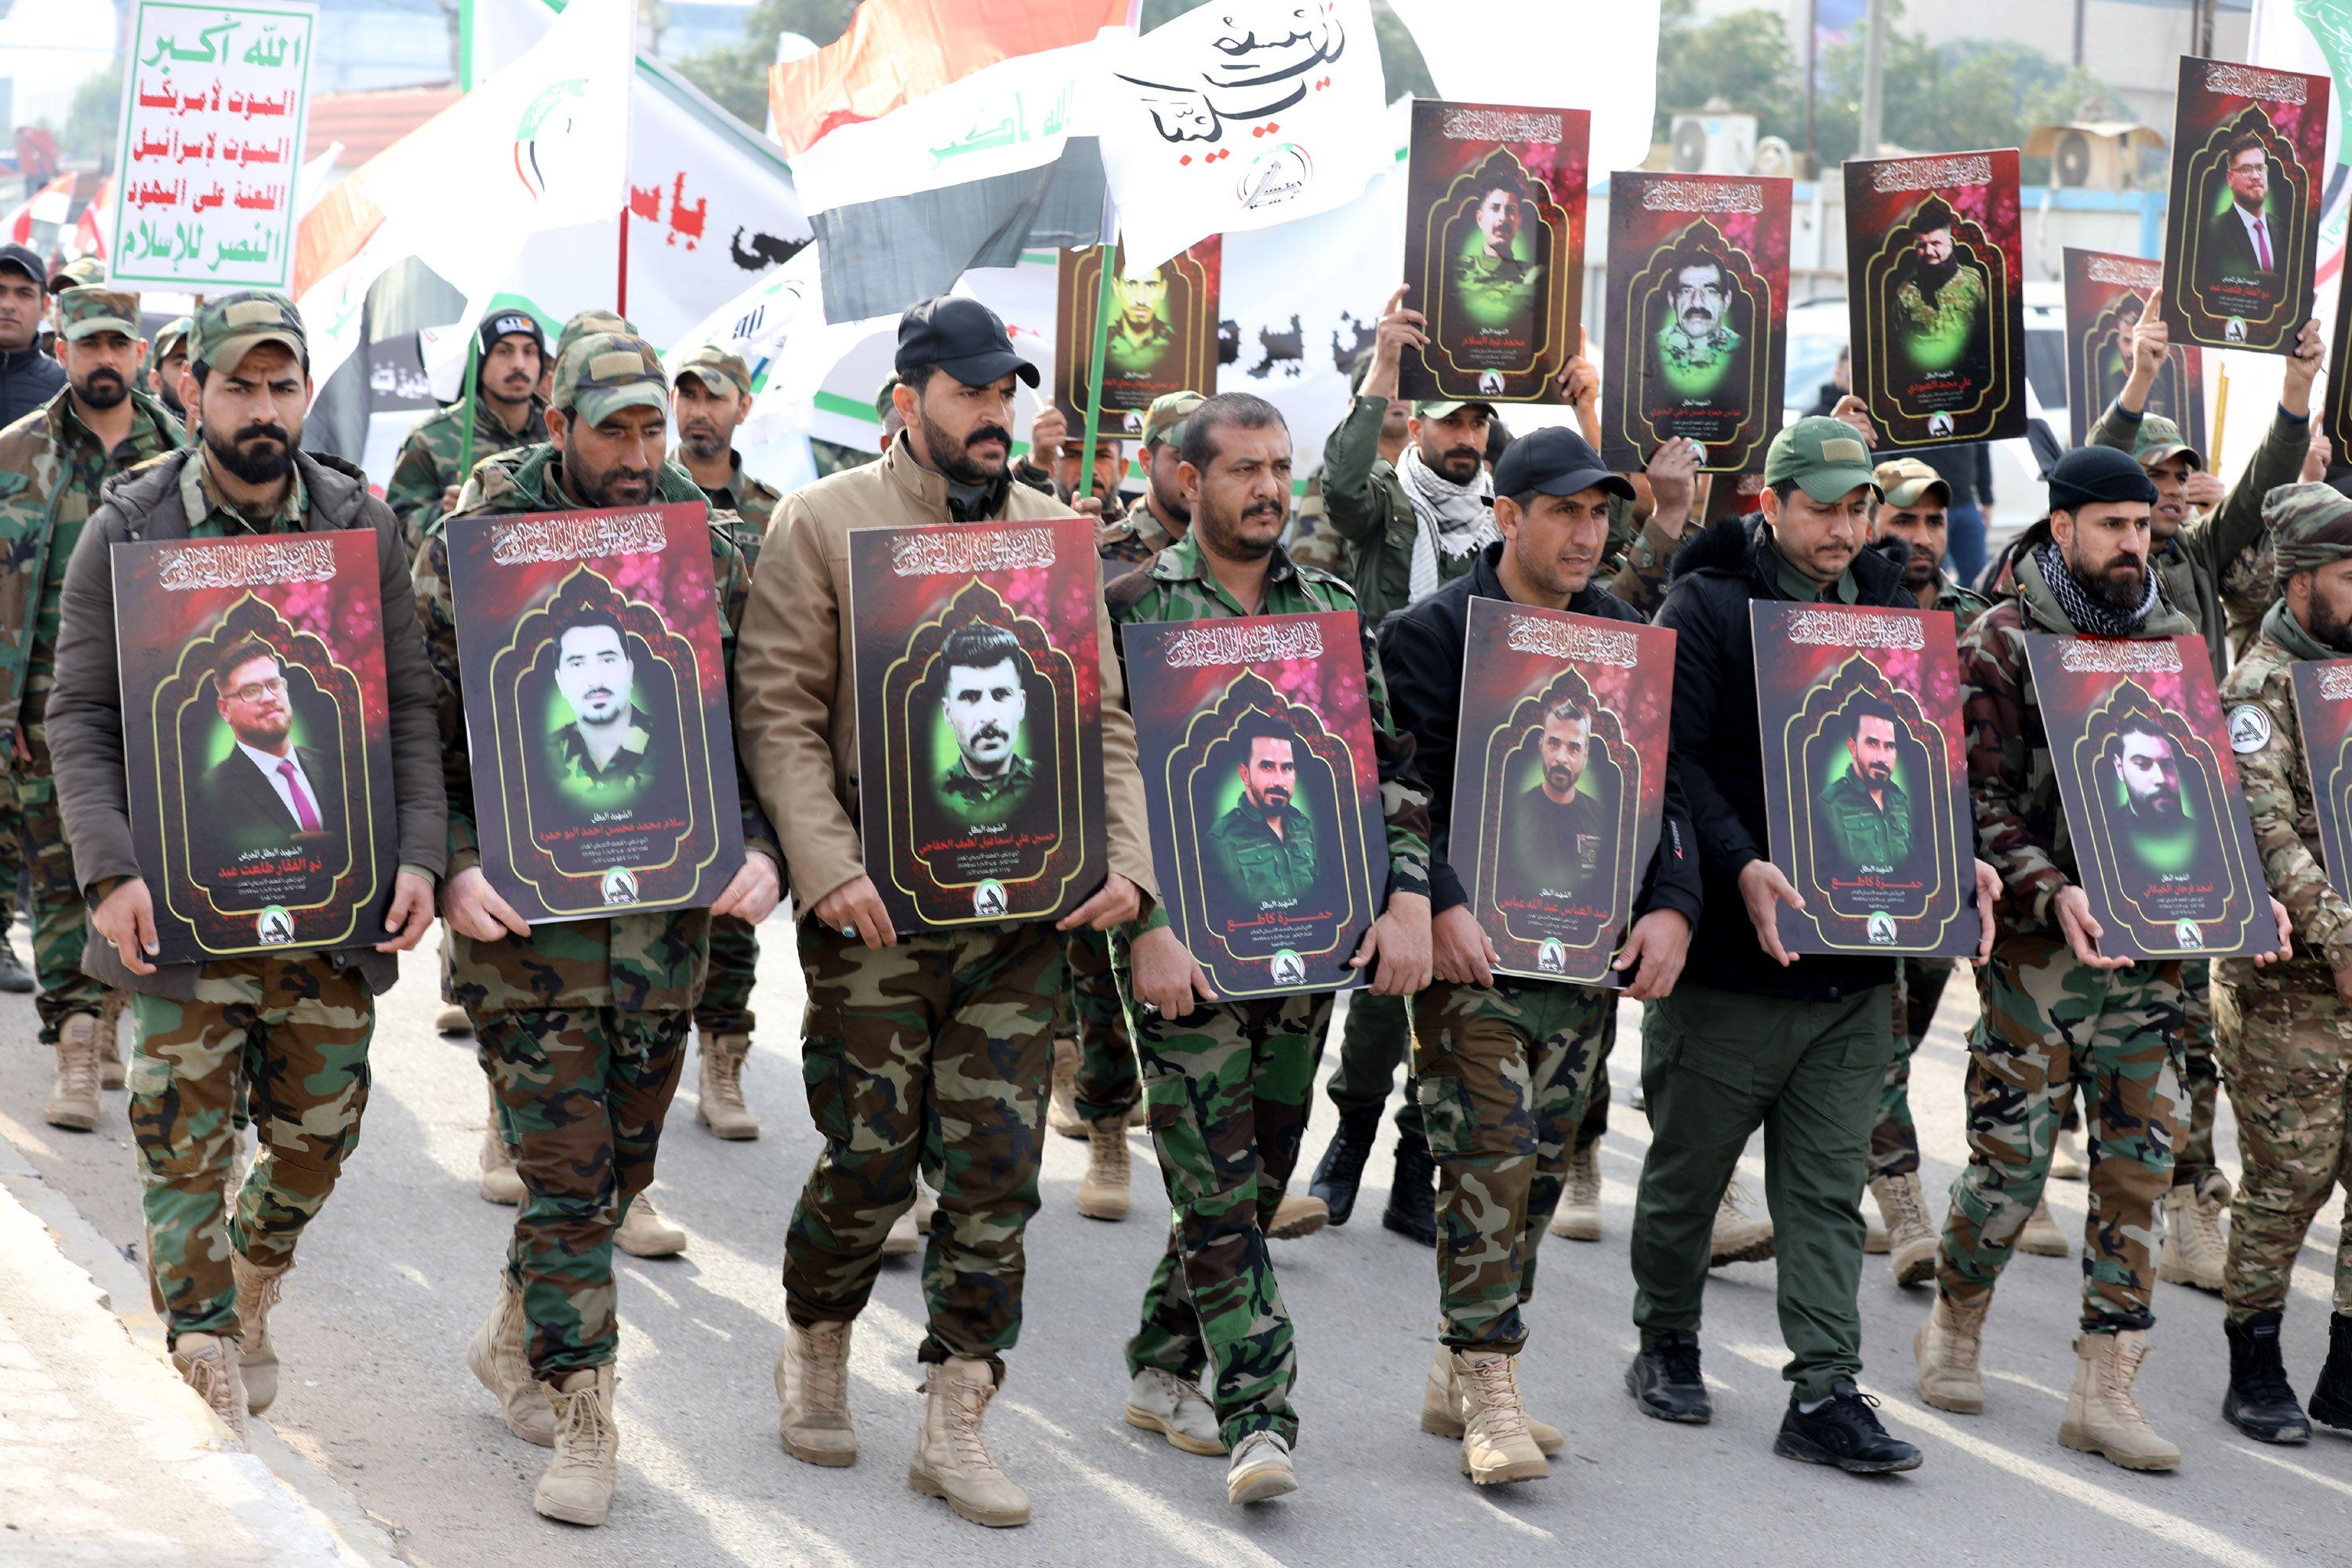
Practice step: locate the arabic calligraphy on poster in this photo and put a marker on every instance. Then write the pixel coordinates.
(214, 108)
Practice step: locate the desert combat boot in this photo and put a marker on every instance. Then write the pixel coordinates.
(73, 1098)
(2102, 1417)
(951, 1459)
(719, 1102)
(500, 1357)
(258, 1290)
(577, 1487)
(813, 1389)
(1496, 1443)
(1947, 1348)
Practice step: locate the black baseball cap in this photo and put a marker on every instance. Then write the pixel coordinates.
(963, 338)
(1555, 462)
(27, 260)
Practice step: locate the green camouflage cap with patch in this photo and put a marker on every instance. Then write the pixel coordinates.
(83, 272)
(1164, 421)
(2310, 526)
(175, 334)
(717, 370)
(84, 312)
(587, 323)
(604, 373)
(223, 331)
(1825, 457)
(2161, 438)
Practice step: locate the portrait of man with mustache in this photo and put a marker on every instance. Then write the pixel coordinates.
(605, 758)
(1696, 340)
(1263, 847)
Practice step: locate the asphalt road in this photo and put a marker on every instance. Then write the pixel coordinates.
(395, 1275)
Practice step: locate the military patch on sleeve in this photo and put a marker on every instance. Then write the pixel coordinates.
(2250, 728)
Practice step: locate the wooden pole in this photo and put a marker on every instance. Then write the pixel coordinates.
(2220, 414)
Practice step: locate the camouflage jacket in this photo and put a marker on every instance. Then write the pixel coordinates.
(1637, 561)
(654, 961)
(2012, 784)
(747, 503)
(1177, 586)
(1132, 540)
(428, 464)
(1964, 605)
(2277, 787)
(51, 468)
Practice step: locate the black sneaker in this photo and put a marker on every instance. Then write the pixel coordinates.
(2261, 1402)
(1845, 1433)
(1665, 1381)
(1341, 1171)
(1412, 1196)
(2331, 1396)
(14, 976)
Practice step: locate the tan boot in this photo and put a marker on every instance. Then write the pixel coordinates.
(719, 1103)
(1102, 1193)
(813, 1388)
(909, 1230)
(1441, 1406)
(2102, 1417)
(1578, 1218)
(2065, 1164)
(1910, 1238)
(577, 1487)
(110, 1039)
(1874, 1237)
(500, 1358)
(207, 1363)
(1299, 1214)
(644, 1234)
(73, 1100)
(258, 1290)
(2194, 1248)
(1947, 1348)
(1496, 1446)
(2042, 1236)
(951, 1460)
(499, 1184)
(1739, 1236)
(1062, 1107)
(452, 1020)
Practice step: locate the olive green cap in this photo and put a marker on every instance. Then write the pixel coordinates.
(1825, 457)
(1903, 480)
(2158, 439)
(604, 373)
(223, 331)
(1164, 421)
(721, 371)
(84, 310)
(1441, 408)
(589, 321)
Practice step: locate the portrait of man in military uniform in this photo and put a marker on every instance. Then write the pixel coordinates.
(1496, 280)
(1262, 852)
(604, 759)
(1142, 338)
(1865, 816)
(990, 784)
(1696, 341)
(1560, 837)
(1938, 291)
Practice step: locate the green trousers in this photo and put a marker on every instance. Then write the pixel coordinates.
(1371, 1047)
(1716, 1065)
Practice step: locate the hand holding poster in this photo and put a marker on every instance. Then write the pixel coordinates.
(1698, 308)
(2107, 296)
(257, 735)
(1494, 250)
(596, 710)
(979, 718)
(2322, 710)
(2242, 243)
(1935, 274)
(1256, 745)
(1163, 333)
(2160, 839)
(1560, 783)
(1869, 798)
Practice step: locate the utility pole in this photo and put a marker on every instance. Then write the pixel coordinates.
(2080, 5)
(1874, 82)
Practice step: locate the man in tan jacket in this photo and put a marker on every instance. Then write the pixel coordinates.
(909, 1031)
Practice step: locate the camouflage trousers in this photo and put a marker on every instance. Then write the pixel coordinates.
(725, 1006)
(2050, 1022)
(1228, 1088)
(1894, 1138)
(2286, 1055)
(2200, 1077)
(288, 1038)
(581, 1096)
(1502, 1072)
(944, 1039)
(58, 914)
(1092, 1014)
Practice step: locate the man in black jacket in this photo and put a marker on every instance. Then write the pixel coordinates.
(1503, 1066)
(28, 377)
(1798, 1046)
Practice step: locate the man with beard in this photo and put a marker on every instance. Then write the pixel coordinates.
(52, 465)
(1559, 838)
(2056, 1010)
(1230, 1082)
(581, 1025)
(1863, 812)
(507, 412)
(1163, 516)
(1938, 301)
(951, 1030)
(1696, 342)
(2238, 248)
(284, 1034)
(28, 377)
(2286, 1047)
(268, 793)
(1263, 847)
(167, 361)
(2198, 559)
(604, 759)
(984, 697)
(1495, 289)
(713, 388)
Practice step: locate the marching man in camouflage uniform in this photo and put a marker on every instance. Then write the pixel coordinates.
(52, 463)
(2056, 1010)
(2286, 1031)
(580, 1024)
(508, 413)
(713, 389)
(289, 1034)
(913, 1036)
(1229, 1081)
(1504, 1065)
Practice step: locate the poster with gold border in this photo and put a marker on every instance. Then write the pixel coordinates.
(2107, 295)
(1163, 333)
(2242, 233)
(256, 740)
(979, 718)
(2323, 714)
(2153, 811)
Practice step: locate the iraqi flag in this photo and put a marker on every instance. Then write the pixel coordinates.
(940, 135)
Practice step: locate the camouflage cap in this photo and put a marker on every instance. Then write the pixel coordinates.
(1164, 421)
(1903, 480)
(882, 399)
(174, 335)
(82, 272)
(721, 371)
(588, 322)
(223, 331)
(604, 373)
(1825, 457)
(84, 312)
(2310, 526)
(2159, 438)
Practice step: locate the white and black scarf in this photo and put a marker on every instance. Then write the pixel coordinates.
(1457, 520)
(2084, 610)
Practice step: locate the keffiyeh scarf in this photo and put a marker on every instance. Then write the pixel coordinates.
(1457, 520)
(2086, 611)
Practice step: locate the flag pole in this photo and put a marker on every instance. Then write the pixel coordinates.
(1109, 253)
(473, 376)
(621, 278)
